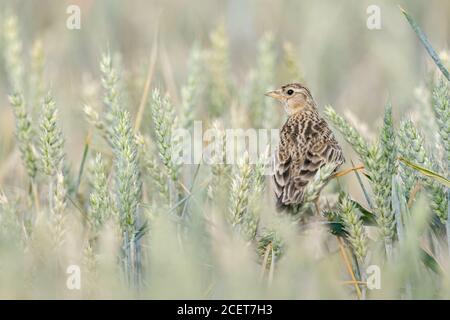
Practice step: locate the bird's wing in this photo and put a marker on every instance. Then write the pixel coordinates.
(297, 162)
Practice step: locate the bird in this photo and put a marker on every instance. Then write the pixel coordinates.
(306, 144)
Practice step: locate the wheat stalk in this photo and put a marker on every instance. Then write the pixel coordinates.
(127, 190)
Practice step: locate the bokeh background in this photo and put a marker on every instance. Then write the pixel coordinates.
(343, 62)
(346, 65)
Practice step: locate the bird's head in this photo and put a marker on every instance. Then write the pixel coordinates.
(294, 97)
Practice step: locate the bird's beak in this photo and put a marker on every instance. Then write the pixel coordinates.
(276, 94)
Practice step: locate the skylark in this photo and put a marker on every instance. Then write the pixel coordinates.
(306, 144)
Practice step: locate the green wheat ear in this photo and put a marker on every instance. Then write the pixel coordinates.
(128, 192)
(111, 99)
(412, 147)
(13, 54)
(348, 132)
(441, 108)
(191, 90)
(381, 165)
(246, 185)
(164, 122)
(51, 140)
(220, 171)
(313, 189)
(36, 80)
(100, 203)
(218, 62)
(127, 175)
(24, 134)
(58, 210)
(354, 227)
(152, 168)
(110, 79)
(379, 161)
(240, 191)
(94, 119)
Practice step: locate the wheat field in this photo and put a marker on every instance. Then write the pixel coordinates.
(96, 203)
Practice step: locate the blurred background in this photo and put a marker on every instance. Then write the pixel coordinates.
(346, 65)
(343, 62)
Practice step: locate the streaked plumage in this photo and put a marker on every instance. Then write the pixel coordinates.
(306, 144)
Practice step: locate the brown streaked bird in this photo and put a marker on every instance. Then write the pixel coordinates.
(306, 144)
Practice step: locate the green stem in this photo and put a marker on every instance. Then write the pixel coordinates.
(83, 162)
(423, 38)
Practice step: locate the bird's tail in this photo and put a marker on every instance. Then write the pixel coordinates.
(287, 208)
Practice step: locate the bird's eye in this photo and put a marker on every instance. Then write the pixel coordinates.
(290, 92)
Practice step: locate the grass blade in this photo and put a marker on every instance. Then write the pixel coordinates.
(83, 161)
(430, 262)
(398, 206)
(427, 172)
(366, 194)
(423, 38)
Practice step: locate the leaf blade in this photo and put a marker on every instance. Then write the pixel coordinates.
(423, 38)
(427, 172)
